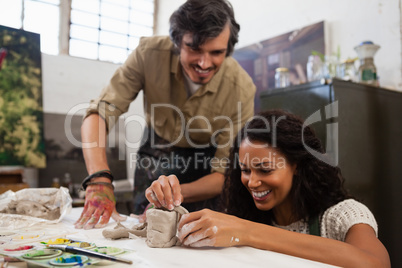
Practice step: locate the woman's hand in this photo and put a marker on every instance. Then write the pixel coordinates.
(99, 207)
(165, 192)
(207, 228)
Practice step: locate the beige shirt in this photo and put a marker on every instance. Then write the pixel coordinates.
(211, 116)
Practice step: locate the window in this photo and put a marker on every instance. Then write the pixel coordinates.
(106, 30)
(109, 30)
(39, 16)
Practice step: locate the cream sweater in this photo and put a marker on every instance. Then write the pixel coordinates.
(337, 220)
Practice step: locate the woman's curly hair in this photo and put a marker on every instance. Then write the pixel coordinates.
(316, 184)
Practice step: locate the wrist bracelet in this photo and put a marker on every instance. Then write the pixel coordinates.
(98, 174)
(101, 183)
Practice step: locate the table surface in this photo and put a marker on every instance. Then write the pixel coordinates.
(144, 256)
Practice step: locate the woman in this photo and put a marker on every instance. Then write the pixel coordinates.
(279, 197)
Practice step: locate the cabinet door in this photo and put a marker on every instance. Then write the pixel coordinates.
(303, 100)
(370, 147)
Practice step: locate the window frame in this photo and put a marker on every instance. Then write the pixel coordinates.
(65, 27)
(65, 10)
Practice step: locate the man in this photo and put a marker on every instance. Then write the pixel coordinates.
(196, 98)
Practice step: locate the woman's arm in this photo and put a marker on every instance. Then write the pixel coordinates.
(208, 228)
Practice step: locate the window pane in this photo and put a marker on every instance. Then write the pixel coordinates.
(84, 18)
(54, 2)
(112, 54)
(86, 5)
(47, 26)
(121, 23)
(114, 11)
(123, 3)
(83, 49)
(133, 42)
(113, 25)
(138, 30)
(142, 18)
(84, 33)
(10, 16)
(143, 5)
(113, 39)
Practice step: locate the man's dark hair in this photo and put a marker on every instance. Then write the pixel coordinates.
(204, 19)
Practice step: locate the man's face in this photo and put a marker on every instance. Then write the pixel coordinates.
(203, 63)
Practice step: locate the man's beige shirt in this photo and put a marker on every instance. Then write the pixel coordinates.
(211, 116)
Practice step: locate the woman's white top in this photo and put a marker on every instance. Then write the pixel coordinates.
(337, 220)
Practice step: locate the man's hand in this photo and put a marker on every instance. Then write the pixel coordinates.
(99, 207)
(165, 192)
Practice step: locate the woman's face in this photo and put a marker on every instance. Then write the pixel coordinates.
(268, 177)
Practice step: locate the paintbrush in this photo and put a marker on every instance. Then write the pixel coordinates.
(77, 250)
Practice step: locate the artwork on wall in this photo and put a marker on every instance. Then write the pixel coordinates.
(290, 50)
(64, 149)
(21, 109)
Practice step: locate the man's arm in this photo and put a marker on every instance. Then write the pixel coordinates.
(204, 188)
(99, 199)
(93, 135)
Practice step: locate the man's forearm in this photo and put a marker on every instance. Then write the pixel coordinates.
(204, 188)
(93, 133)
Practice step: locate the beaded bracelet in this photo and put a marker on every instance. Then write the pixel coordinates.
(102, 173)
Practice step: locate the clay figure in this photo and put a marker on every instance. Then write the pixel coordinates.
(160, 228)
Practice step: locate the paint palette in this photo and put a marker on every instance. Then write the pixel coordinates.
(69, 260)
(42, 254)
(64, 241)
(15, 250)
(109, 250)
(26, 237)
(5, 234)
(84, 245)
(58, 241)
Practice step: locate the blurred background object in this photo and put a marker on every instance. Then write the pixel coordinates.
(367, 73)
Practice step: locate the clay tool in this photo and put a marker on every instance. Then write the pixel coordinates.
(90, 253)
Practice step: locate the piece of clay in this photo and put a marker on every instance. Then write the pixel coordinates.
(121, 231)
(160, 228)
(31, 208)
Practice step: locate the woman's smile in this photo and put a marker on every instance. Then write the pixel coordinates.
(260, 196)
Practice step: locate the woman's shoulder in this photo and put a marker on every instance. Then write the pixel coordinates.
(338, 219)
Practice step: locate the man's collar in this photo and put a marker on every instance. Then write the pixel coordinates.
(175, 64)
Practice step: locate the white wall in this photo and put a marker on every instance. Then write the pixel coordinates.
(69, 83)
(349, 22)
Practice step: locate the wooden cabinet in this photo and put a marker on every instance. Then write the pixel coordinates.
(12, 179)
